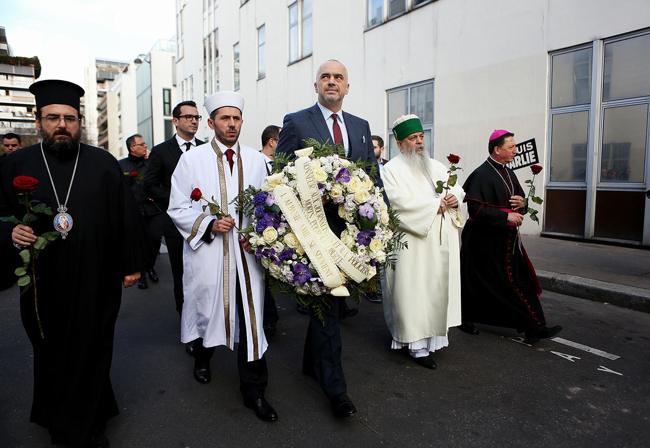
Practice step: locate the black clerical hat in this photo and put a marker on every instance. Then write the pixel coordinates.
(56, 91)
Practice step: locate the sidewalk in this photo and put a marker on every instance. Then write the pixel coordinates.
(603, 273)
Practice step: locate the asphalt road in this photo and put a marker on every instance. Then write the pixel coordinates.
(488, 390)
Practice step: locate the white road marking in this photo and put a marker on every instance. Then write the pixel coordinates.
(605, 369)
(565, 356)
(519, 340)
(587, 349)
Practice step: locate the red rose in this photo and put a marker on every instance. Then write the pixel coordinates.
(196, 194)
(453, 158)
(134, 174)
(25, 184)
(536, 169)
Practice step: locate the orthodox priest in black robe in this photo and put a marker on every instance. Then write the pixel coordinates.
(79, 278)
(499, 285)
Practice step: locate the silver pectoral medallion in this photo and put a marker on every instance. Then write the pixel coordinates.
(63, 222)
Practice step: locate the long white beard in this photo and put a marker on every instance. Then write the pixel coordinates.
(419, 162)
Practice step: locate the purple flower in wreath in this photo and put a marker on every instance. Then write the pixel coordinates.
(272, 219)
(260, 226)
(320, 186)
(365, 237)
(259, 211)
(343, 176)
(260, 198)
(367, 211)
(286, 254)
(270, 199)
(301, 273)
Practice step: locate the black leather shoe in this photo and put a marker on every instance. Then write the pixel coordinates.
(468, 327)
(142, 281)
(270, 329)
(202, 371)
(373, 297)
(533, 336)
(348, 312)
(302, 309)
(189, 348)
(263, 410)
(153, 275)
(342, 405)
(97, 441)
(425, 361)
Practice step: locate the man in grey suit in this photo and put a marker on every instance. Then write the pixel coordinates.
(326, 121)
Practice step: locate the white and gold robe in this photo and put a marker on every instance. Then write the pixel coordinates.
(422, 295)
(210, 269)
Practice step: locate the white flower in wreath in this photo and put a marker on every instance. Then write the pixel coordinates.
(361, 250)
(383, 217)
(278, 246)
(345, 163)
(376, 245)
(343, 213)
(275, 271)
(266, 262)
(291, 170)
(270, 234)
(349, 205)
(336, 191)
(355, 184)
(361, 197)
(380, 256)
(272, 181)
(368, 185)
(300, 250)
(320, 175)
(291, 240)
(253, 239)
(347, 239)
(281, 230)
(327, 167)
(302, 290)
(372, 271)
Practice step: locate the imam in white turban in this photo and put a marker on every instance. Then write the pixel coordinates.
(224, 99)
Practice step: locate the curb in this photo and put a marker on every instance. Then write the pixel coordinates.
(585, 288)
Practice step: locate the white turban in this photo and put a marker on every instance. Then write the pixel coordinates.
(224, 99)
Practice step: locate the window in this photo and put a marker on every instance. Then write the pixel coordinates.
(300, 30)
(235, 50)
(414, 99)
(261, 52)
(599, 152)
(167, 102)
(380, 11)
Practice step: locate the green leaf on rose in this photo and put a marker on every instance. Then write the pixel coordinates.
(25, 255)
(452, 180)
(20, 272)
(439, 187)
(24, 280)
(537, 200)
(40, 243)
(39, 208)
(367, 224)
(51, 236)
(11, 219)
(532, 191)
(204, 207)
(533, 216)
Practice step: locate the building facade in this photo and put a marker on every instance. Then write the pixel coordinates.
(572, 79)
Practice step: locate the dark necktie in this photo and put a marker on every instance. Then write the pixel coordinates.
(338, 137)
(188, 146)
(229, 155)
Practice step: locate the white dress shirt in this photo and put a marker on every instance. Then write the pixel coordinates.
(182, 143)
(327, 115)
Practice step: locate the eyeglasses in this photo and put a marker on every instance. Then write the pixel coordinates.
(189, 117)
(139, 144)
(56, 119)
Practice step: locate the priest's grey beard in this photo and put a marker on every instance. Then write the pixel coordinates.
(61, 148)
(419, 161)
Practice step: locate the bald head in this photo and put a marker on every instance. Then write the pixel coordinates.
(332, 84)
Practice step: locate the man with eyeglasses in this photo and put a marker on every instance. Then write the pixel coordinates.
(134, 167)
(157, 186)
(70, 313)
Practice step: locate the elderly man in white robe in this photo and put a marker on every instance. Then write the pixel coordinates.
(223, 285)
(422, 297)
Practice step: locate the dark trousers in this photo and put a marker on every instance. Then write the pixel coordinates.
(175, 251)
(322, 352)
(153, 224)
(271, 316)
(253, 375)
